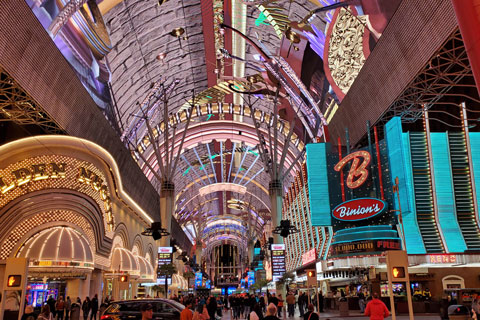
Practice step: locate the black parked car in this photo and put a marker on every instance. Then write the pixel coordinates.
(163, 309)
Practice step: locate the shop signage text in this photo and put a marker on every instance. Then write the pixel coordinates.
(358, 169)
(309, 256)
(278, 261)
(53, 170)
(442, 258)
(36, 172)
(366, 246)
(359, 209)
(164, 257)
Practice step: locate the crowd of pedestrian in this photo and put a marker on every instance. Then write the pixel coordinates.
(61, 309)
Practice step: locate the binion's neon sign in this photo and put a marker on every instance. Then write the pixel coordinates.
(358, 173)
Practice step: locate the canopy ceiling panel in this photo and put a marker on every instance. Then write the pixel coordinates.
(140, 32)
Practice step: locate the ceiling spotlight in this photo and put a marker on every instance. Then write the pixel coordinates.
(285, 229)
(177, 32)
(161, 56)
(156, 231)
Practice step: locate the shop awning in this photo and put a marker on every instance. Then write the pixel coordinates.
(145, 269)
(58, 247)
(123, 260)
(179, 282)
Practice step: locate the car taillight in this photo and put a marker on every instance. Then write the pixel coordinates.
(105, 317)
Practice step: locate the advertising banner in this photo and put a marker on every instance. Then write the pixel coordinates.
(251, 278)
(198, 279)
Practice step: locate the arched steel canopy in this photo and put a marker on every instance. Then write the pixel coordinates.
(170, 52)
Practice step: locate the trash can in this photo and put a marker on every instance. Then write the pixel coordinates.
(343, 308)
(458, 312)
(75, 312)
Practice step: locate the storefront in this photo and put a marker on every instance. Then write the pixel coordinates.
(62, 206)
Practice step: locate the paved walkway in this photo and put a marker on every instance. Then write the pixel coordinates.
(354, 315)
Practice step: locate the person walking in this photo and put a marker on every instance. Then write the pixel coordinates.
(60, 307)
(186, 313)
(280, 305)
(212, 307)
(311, 314)
(94, 307)
(45, 313)
(361, 301)
(301, 303)
(256, 313)
(291, 304)
(320, 301)
(376, 309)
(51, 304)
(68, 308)
(271, 312)
(86, 306)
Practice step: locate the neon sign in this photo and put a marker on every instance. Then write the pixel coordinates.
(359, 209)
(358, 170)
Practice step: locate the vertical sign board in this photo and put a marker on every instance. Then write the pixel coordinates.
(278, 261)
(164, 257)
(14, 289)
(251, 278)
(198, 279)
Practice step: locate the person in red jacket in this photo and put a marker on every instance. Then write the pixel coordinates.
(376, 309)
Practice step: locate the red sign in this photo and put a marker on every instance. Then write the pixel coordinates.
(358, 170)
(442, 258)
(309, 256)
(359, 209)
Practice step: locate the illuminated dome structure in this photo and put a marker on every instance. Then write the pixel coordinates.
(57, 247)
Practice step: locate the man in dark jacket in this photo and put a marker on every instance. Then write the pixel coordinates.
(376, 309)
(94, 306)
(311, 314)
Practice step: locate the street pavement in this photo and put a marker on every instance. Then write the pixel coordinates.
(353, 315)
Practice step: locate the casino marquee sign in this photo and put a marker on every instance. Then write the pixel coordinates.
(363, 227)
(359, 209)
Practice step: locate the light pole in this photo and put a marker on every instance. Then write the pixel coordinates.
(407, 278)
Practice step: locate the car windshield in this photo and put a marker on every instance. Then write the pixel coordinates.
(134, 306)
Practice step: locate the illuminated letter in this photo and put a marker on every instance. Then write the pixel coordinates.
(356, 171)
(103, 193)
(39, 172)
(22, 175)
(3, 186)
(96, 182)
(58, 170)
(85, 175)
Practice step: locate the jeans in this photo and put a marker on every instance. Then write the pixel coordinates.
(246, 311)
(236, 312)
(279, 311)
(93, 315)
(291, 310)
(60, 314)
(67, 314)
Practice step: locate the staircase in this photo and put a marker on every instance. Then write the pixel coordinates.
(462, 190)
(423, 193)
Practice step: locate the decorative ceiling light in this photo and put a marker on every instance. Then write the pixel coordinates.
(161, 56)
(285, 229)
(177, 32)
(156, 231)
(223, 186)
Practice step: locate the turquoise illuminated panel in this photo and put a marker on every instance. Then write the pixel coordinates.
(447, 213)
(318, 188)
(475, 151)
(398, 148)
